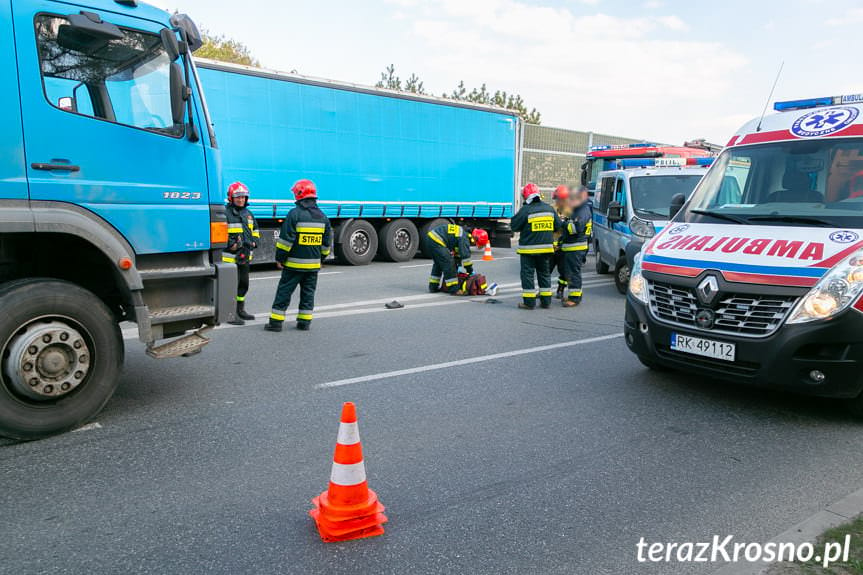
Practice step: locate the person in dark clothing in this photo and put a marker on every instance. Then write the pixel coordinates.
(304, 241)
(574, 243)
(446, 244)
(243, 238)
(561, 204)
(535, 223)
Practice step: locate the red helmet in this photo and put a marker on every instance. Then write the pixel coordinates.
(237, 190)
(304, 189)
(480, 236)
(529, 191)
(560, 193)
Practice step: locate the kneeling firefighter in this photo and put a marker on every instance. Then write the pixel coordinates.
(574, 243)
(536, 223)
(304, 241)
(444, 244)
(243, 238)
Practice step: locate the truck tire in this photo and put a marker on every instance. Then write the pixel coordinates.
(61, 353)
(424, 232)
(398, 241)
(601, 266)
(359, 243)
(621, 275)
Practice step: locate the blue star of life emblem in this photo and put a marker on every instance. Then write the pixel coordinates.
(824, 121)
(844, 237)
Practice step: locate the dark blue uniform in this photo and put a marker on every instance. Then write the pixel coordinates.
(574, 243)
(441, 243)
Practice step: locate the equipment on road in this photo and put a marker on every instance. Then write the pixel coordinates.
(486, 256)
(348, 509)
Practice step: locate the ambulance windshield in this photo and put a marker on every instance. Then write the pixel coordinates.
(801, 183)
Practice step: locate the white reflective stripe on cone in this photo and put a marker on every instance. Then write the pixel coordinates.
(352, 474)
(349, 433)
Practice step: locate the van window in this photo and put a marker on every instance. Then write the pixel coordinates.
(651, 195)
(124, 81)
(814, 182)
(619, 193)
(607, 192)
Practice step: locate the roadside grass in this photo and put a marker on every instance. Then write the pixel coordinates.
(854, 565)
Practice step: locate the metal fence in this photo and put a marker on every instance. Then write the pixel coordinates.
(553, 156)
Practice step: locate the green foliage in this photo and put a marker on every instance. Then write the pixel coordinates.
(226, 49)
(482, 95)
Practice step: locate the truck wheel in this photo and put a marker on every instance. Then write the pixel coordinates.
(61, 353)
(621, 275)
(601, 266)
(399, 241)
(359, 243)
(424, 232)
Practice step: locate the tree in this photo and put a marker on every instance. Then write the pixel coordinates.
(226, 49)
(482, 95)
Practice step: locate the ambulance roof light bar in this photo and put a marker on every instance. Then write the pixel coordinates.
(817, 102)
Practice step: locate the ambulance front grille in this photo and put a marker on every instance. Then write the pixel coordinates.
(736, 314)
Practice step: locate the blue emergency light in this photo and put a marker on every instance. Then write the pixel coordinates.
(817, 102)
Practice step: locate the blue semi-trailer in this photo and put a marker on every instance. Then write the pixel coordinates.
(389, 166)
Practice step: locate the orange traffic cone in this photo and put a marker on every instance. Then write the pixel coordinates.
(486, 256)
(348, 509)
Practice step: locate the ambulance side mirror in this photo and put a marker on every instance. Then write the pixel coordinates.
(615, 212)
(677, 201)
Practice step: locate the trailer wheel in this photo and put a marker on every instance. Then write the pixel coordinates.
(61, 353)
(621, 275)
(398, 240)
(601, 266)
(359, 243)
(424, 232)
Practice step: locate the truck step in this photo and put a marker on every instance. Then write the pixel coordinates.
(186, 346)
(175, 272)
(180, 313)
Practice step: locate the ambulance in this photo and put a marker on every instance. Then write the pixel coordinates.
(758, 279)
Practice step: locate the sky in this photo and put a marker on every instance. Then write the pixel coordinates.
(661, 70)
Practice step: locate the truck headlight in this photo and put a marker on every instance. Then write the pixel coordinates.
(834, 293)
(637, 283)
(642, 228)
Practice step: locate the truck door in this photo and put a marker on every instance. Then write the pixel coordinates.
(99, 130)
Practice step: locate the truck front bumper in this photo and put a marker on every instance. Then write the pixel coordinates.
(790, 359)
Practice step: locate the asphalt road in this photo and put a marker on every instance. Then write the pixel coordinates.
(553, 461)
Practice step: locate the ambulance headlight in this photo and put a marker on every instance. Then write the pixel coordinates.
(637, 283)
(834, 293)
(642, 228)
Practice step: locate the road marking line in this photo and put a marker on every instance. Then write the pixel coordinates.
(414, 266)
(460, 362)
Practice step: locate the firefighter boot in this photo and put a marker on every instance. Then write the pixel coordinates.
(304, 325)
(241, 312)
(273, 325)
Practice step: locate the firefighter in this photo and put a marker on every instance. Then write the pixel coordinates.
(574, 243)
(243, 238)
(536, 223)
(561, 203)
(447, 244)
(303, 243)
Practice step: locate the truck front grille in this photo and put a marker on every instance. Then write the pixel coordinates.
(737, 314)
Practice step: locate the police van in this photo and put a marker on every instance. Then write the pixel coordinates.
(759, 277)
(633, 203)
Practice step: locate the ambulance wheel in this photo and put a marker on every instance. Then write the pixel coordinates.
(61, 353)
(621, 275)
(359, 243)
(424, 232)
(398, 241)
(601, 266)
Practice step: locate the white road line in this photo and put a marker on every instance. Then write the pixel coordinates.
(414, 266)
(467, 361)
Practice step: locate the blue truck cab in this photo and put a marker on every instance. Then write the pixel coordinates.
(633, 203)
(110, 203)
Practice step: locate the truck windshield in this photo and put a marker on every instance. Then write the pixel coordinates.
(651, 195)
(801, 183)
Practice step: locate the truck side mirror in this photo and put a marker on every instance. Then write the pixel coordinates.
(584, 174)
(170, 43)
(179, 93)
(615, 212)
(191, 34)
(677, 201)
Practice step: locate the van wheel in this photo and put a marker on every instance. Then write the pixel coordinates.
(61, 353)
(601, 266)
(399, 241)
(621, 275)
(424, 232)
(359, 243)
